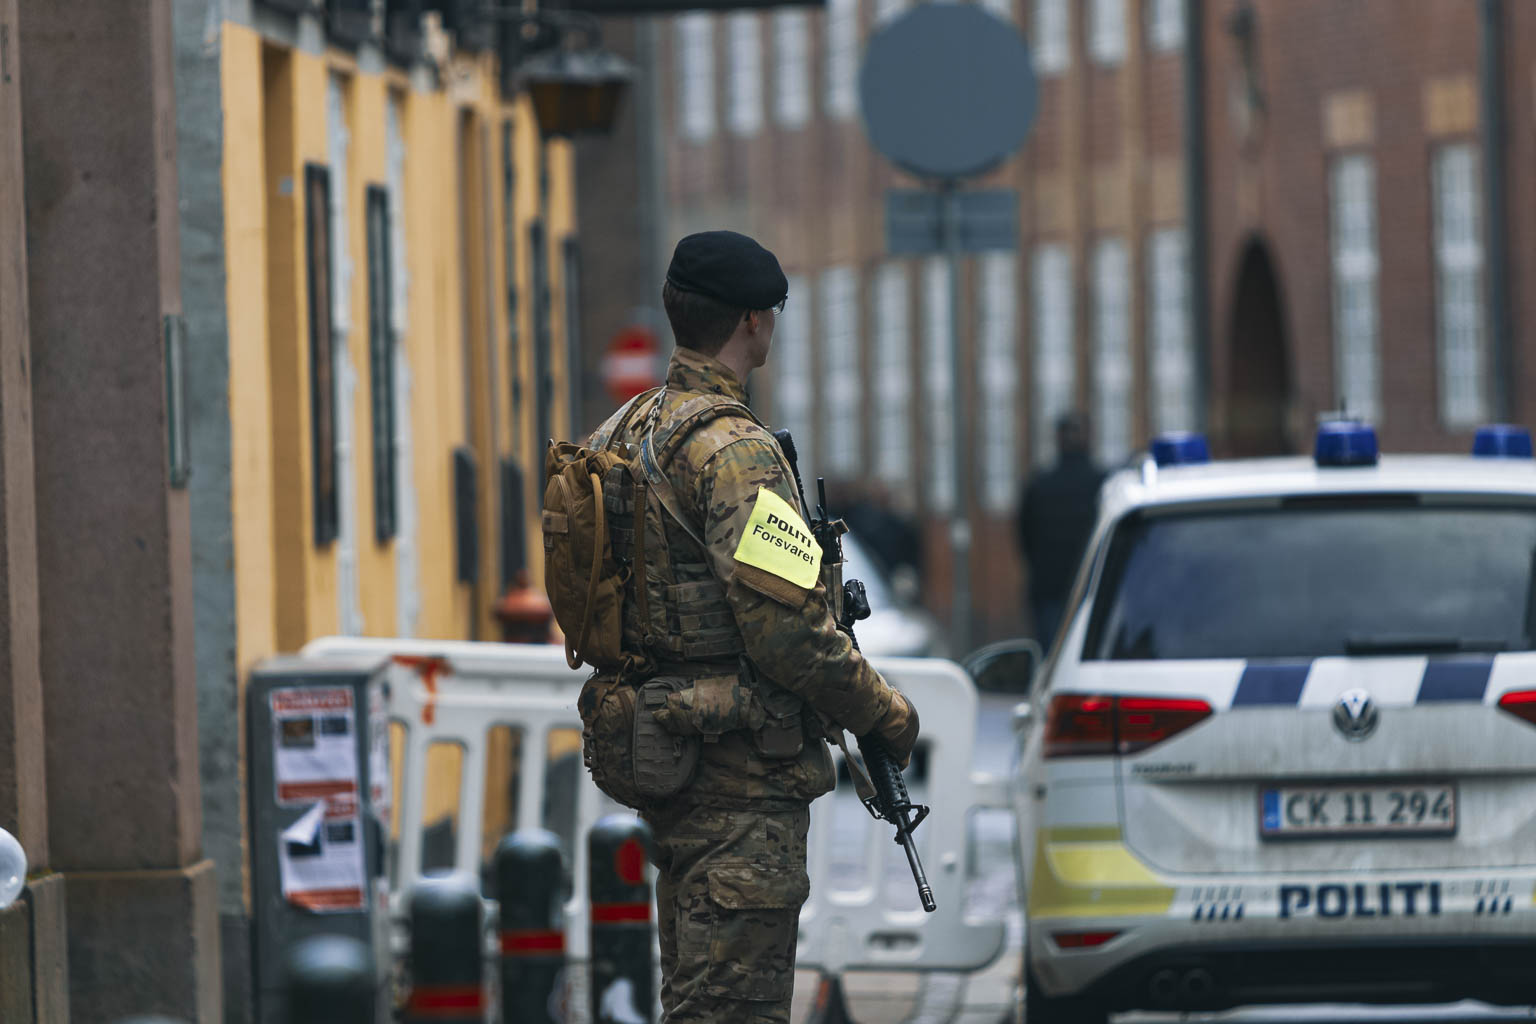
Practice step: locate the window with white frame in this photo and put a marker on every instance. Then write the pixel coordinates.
(889, 10)
(746, 99)
(1112, 369)
(695, 45)
(1051, 36)
(938, 386)
(1106, 30)
(1054, 361)
(997, 372)
(842, 47)
(793, 382)
(893, 376)
(1172, 358)
(841, 369)
(338, 149)
(1459, 286)
(407, 553)
(792, 68)
(1165, 25)
(1356, 352)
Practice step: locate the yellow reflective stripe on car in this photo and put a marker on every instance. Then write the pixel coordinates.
(1089, 872)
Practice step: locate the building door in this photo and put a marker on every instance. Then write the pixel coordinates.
(1258, 389)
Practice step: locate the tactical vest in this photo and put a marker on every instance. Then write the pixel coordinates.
(677, 616)
(730, 733)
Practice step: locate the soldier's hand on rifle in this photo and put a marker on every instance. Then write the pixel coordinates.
(897, 731)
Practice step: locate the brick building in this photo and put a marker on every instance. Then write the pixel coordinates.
(1362, 250)
(1345, 229)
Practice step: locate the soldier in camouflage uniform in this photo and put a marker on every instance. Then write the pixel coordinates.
(732, 603)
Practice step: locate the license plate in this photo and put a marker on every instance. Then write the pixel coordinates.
(1305, 812)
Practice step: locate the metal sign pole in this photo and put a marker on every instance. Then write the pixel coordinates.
(960, 521)
(922, 73)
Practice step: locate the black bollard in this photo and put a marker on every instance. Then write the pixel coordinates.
(330, 980)
(530, 885)
(619, 887)
(447, 976)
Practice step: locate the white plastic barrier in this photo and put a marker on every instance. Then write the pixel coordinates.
(457, 692)
(863, 912)
(866, 915)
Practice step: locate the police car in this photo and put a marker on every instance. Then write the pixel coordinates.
(1285, 747)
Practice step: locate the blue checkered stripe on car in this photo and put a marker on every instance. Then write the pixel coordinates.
(1441, 680)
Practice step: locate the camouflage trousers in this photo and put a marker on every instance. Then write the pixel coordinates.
(729, 887)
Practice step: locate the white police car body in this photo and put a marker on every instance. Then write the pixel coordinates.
(1285, 746)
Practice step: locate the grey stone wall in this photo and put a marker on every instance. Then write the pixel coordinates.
(200, 139)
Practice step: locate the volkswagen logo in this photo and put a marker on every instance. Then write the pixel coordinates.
(1355, 715)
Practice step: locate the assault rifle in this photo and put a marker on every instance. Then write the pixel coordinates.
(889, 801)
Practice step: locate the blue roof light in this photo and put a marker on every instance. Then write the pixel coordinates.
(1502, 440)
(1180, 448)
(1345, 443)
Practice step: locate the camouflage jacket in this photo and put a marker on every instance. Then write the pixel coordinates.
(710, 605)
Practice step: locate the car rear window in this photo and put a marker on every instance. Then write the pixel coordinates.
(1314, 578)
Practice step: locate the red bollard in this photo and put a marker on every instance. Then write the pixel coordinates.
(619, 886)
(530, 884)
(447, 972)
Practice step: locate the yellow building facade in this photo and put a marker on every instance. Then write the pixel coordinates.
(439, 263)
(398, 246)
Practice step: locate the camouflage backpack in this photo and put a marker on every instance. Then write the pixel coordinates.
(585, 486)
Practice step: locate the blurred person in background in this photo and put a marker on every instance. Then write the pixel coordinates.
(1055, 520)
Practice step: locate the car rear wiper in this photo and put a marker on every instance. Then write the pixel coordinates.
(1408, 643)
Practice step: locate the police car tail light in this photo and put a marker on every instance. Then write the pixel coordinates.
(1145, 721)
(1081, 940)
(1521, 704)
(1079, 725)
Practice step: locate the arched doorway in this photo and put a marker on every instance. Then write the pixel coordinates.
(1259, 372)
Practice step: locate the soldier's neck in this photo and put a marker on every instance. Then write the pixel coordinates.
(736, 358)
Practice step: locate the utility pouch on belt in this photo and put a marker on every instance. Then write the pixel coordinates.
(782, 733)
(715, 705)
(664, 761)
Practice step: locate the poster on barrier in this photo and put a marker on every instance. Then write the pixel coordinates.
(320, 857)
(315, 745)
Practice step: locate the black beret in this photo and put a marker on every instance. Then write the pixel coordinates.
(729, 267)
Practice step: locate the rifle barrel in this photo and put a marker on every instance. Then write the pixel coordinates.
(924, 893)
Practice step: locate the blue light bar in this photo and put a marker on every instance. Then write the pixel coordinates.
(1345, 443)
(1180, 448)
(1502, 441)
